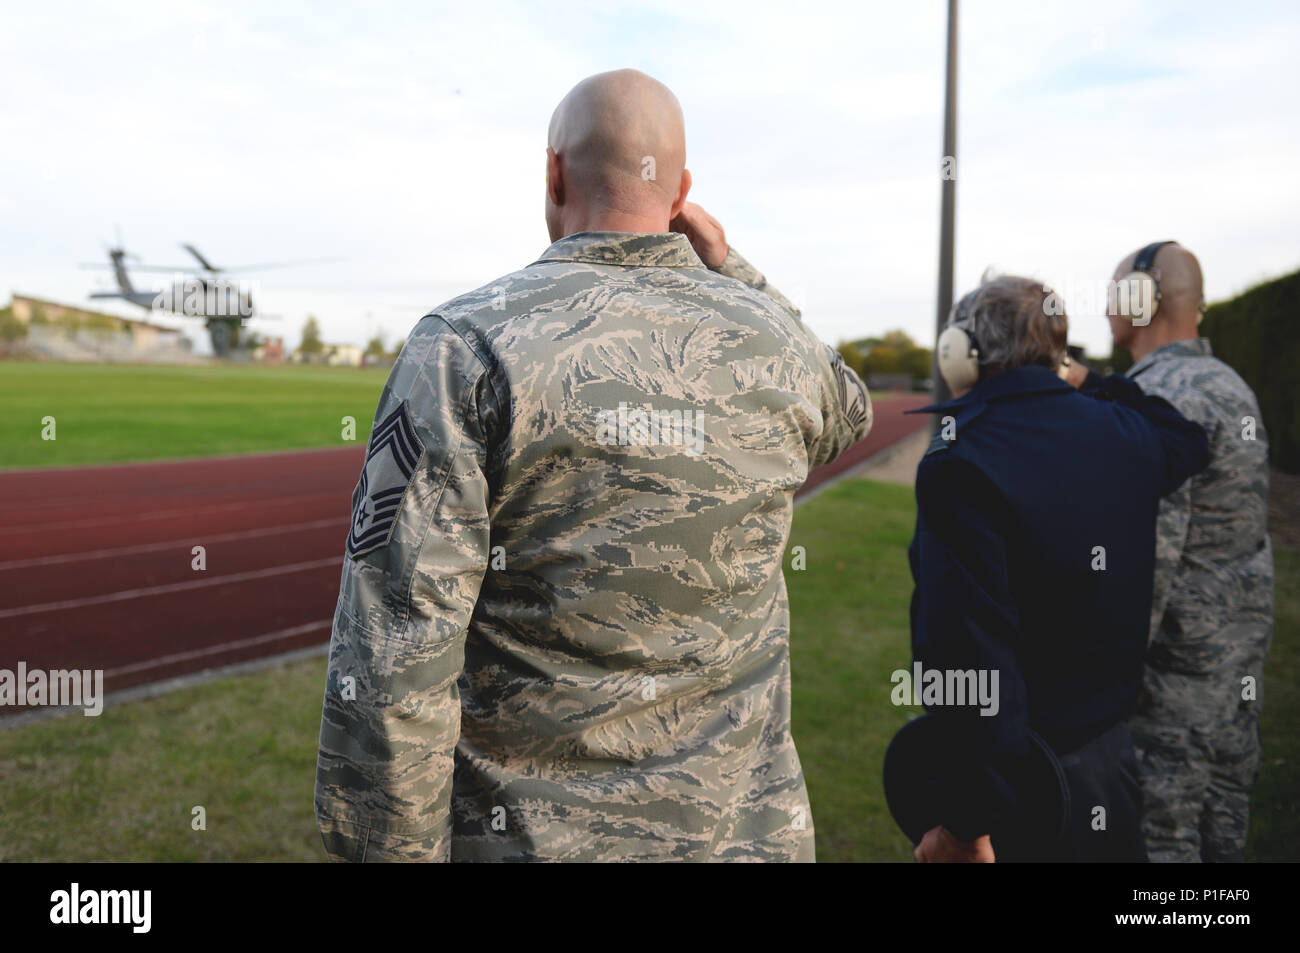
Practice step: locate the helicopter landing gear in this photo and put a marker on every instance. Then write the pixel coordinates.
(224, 333)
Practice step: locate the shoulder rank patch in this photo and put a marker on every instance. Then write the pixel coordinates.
(394, 450)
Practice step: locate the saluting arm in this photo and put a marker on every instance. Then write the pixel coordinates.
(736, 266)
(845, 404)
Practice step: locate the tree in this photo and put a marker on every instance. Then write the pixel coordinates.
(311, 343)
(894, 352)
(11, 329)
(1120, 360)
(397, 348)
(853, 357)
(376, 346)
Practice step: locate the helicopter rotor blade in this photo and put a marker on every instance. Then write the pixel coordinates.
(201, 260)
(161, 269)
(267, 266)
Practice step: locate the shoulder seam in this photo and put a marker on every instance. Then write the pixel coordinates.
(490, 364)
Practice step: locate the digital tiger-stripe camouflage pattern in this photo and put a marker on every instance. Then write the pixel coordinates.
(1197, 724)
(573, 643)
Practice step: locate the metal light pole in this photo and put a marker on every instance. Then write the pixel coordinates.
(948, 210)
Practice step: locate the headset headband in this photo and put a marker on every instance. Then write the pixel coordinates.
(1147, 256)
(961, 315)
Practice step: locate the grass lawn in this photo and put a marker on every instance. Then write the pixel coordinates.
(122, 786)
(849, 631)
(1275, 817)
(110, 413)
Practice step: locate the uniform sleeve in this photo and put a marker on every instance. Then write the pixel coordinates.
(391, 712)
(1185, 444)
(1172, 524)
(963, 618)
(735, 266)
(844, 402)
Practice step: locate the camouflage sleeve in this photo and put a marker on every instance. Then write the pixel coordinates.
(735, 266)
(845, 403)
(417, 553)
(1171, 536)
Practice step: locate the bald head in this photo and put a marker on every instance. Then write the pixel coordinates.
(1179, 275)
(616, 156)
(1181, 295)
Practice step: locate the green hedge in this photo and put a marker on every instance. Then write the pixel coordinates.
(1258, 334)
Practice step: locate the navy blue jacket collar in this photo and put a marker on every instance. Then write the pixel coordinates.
(1030, 379)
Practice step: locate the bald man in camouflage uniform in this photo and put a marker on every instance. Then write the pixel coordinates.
(1197, 725)
(562, 631)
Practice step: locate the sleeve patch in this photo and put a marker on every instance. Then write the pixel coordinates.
(394, 450)
(853, 395)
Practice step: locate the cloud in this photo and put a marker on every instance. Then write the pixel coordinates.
(409, 141)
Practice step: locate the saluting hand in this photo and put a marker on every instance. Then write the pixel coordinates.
(704, 232)
(1076, 373)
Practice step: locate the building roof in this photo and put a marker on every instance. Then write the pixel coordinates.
(161, 328)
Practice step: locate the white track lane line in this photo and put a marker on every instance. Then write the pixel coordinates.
(156, 547)
(200, 509)
(162, 660)
(127, 594)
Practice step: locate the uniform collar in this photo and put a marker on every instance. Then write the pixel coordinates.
(1030, 379)
(632, 249)
(1191, 347)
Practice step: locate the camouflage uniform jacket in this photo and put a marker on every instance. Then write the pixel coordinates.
(562, 631)
(1213, 592)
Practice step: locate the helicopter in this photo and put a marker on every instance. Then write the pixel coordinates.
(204, 292)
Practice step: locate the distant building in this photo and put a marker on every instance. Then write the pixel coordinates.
(270, 351)
(34, 328)
(335, 355)
(348, 355)
(144, 335)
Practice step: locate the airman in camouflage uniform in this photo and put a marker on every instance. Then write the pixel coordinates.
(562, 631)
(1197, 725)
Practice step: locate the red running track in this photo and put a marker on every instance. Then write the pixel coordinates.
(96, 563)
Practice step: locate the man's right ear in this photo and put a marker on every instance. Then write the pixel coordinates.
(554, 177)
(680, 202)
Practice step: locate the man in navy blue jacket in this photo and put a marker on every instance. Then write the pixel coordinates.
(1033, 559)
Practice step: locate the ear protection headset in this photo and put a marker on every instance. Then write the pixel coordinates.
(959, 350)
(959, 354)
(1141, 286)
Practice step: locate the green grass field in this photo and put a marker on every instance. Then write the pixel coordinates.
(114, 413)
(111, 413)
(122, 786)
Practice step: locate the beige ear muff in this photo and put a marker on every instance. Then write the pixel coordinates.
(1137, 297)
(958, 359)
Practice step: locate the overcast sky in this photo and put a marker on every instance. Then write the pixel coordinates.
(409, 141)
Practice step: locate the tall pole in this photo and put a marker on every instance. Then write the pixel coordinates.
(948, 209)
